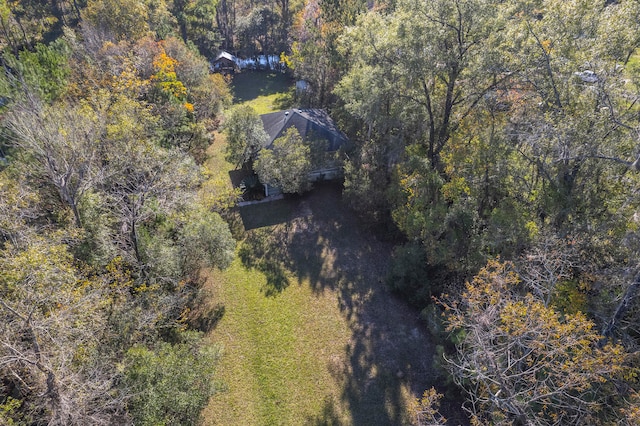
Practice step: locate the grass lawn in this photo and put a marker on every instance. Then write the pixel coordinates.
(264, 91)
(310, 334)
(274, 351)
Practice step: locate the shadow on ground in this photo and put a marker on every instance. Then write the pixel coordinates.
(390, 351)
(266, 214)
(255, 216)
(249, 85)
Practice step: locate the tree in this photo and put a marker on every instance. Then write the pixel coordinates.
(63, 141)
(205, 241)
(436, 213)
(245, 135)
(225, 20)
(92, 316)
(196, 19)
(43, 71)
(146, 182)
(24, 23)
(286, 163)
(50, 323)
(366, 174)
(18, 207)
(118, 19)
(208, 93)
(420, 70)
(257, 30)
(426, 411)
(169, 384)
(524, 363)
(314, 54)
(186, 100)
(574, 124)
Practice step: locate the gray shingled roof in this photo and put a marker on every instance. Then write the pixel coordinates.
(310, 123)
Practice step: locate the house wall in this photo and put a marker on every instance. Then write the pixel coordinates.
(270, 191)
(325, 174)
(315, 176)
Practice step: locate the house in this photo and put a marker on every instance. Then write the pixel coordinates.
(225, 63)
(311, 124)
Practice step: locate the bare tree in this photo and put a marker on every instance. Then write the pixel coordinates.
(63, 141)
(547, 264)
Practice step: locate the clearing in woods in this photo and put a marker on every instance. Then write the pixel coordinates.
(310, 334)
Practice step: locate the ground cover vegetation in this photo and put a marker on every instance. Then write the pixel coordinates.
(104, 232)
(495, 146)
(310, 332)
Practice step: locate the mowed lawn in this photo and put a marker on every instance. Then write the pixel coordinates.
(273, 352)
(310, 334)
(264, 91)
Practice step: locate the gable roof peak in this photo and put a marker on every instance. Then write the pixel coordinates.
(308, 122)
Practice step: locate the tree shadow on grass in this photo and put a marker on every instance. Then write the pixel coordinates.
(249, 85)
(258, 252)
(203, 315)
(389, 353)
(255, 216)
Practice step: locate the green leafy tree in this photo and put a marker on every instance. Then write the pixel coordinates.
(24, 23)
(314, 55)
(573, 124)
(257, 30)
(421, 69)
(160, 19)
(286, 163)
(245, 135)
(119, 19)
(196, 20)
(146, 183)
(366, 177)
(437, 214)
(169, 384)
(225, 22)
(45, 71)
(206, 241)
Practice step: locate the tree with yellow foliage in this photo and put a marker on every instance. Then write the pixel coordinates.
(523, 363)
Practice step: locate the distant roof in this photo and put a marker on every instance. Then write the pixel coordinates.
(226, 55)
(310, 123)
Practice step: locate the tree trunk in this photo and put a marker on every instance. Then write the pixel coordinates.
(621, 310)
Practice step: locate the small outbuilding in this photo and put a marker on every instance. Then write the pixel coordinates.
(225, 63)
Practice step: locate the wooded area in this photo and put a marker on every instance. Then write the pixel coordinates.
(496, 145)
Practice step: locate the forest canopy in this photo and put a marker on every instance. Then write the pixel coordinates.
(496, 145)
